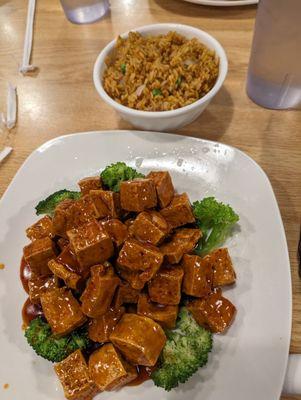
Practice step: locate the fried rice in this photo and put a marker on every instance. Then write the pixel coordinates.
(159, 73)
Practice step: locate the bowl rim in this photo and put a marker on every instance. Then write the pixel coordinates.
(219, 50)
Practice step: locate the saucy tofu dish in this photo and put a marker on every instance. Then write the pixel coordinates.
(125, 279)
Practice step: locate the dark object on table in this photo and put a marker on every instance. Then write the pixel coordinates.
(299, 254)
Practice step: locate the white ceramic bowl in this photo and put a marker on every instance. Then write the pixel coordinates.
(163, 120)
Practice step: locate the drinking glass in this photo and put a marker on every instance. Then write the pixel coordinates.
(274, 75)
(85, 11)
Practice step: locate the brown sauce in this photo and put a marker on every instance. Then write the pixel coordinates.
(30, 311)
(25, 274)
(144, 374)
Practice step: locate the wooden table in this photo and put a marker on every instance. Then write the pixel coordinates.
(60, 98)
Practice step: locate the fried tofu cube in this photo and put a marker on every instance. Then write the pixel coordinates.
(138, 263)
(138, 195)
(223, 271)
(150, 227)
(97, 297)
(183, 241)
(70, 214)
(106, 203)
(91, 244)
(117, 231)
(101, 328)
(40, 284)
(198, 275)
(136, 256)
(62, 311)
(140, 339)
(60, 216)
(165, 287)
(136, 279)
(68, 259)
(214, 311)
(179, 212)
(125, 293)
(109, 370)
(89, 183)
(165, 315)
(164, 187)
(38, 253)
(40, 229)
(74, 376)
(71, 279)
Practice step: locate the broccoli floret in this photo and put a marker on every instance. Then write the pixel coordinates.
(215, 220)
(46, 345)
(185, 351)
(48, 205)
(113, 174)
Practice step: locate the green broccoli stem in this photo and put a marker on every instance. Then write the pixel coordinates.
(50, 347)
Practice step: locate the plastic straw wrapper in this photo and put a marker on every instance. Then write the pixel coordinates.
(5, 152)
(11, 108)
(25, 67)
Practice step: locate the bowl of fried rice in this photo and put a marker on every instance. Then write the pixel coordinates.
(162, 76)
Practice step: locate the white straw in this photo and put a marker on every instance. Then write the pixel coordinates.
(5, 152)
(11, 110)
(2, 119)
(25, 67)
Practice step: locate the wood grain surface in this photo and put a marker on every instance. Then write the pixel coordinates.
(60, 97)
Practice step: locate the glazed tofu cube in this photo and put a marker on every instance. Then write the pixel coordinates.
(68, 259)
(101, 328)
(125, 293)
(138, 263)
(106, 203)
(165, 287)
(136, 256)
(140, 339)
(136, 279)
(138, 195)
(71, 214)
(60, 217)
(91, 244)
(223, 271)
(109, 370)
(164, 186)
(165, 315)
(214, 311)
(74, 376)
(183, 241)
(117, 231)
(198, 274)
(150, 227)
(38, 253)
(71, 279)
(62, 311)
(40, 284)
(179, 212)
(89, 183)
(40, 229)
(97, 297)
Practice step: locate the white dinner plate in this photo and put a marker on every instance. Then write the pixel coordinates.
(249, 361)
(223, 3)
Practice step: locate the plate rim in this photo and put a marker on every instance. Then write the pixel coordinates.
(223, 3)
(50, 143)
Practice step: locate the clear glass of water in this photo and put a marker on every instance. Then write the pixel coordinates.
(85, 11)
(274, 75)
